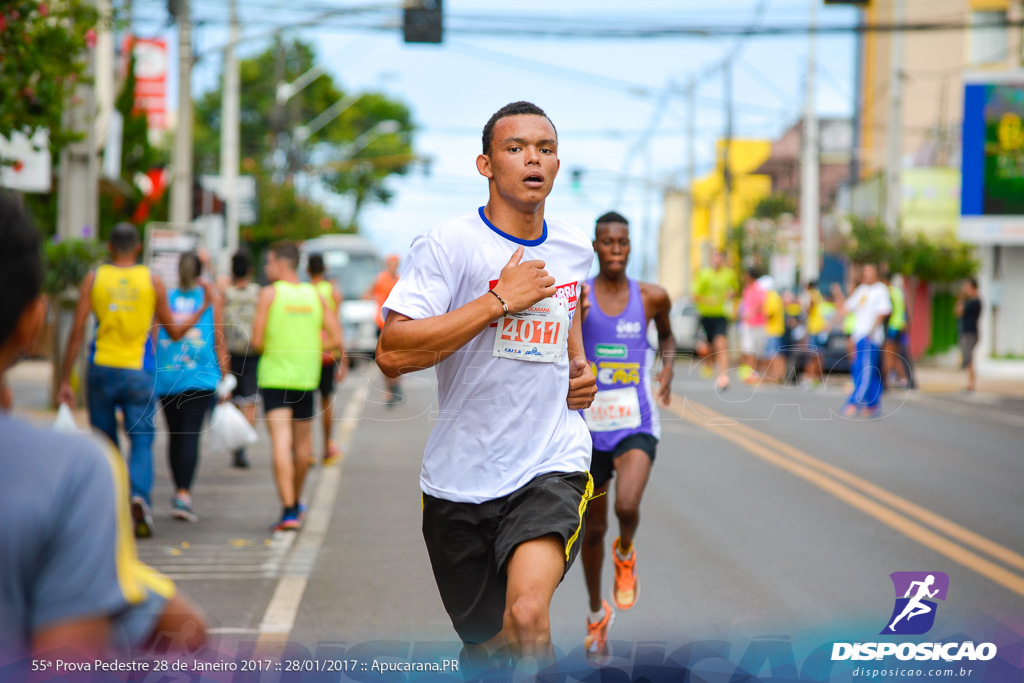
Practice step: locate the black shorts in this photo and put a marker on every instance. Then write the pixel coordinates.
(715, 326)
(244, 368)
(327, 373)
(301, 402)
(602, 463)
(469, 544)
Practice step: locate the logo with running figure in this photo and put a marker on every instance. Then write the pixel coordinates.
(916, 592)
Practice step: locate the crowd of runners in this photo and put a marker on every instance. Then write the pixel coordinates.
(501, 304)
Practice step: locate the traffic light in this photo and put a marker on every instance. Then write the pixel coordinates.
(422, 21)
(577, 180)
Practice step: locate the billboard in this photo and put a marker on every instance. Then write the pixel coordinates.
(992, 206)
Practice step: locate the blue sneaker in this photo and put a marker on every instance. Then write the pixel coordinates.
(289, 520)
(181, 508)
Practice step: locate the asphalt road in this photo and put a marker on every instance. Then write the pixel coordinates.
(767, 514)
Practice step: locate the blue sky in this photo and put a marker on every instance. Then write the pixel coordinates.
(604, 96)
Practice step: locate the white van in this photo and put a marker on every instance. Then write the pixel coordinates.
(353, 263)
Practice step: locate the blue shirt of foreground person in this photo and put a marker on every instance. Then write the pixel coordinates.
(71, 584)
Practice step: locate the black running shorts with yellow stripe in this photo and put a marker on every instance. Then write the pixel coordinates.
(470, 544)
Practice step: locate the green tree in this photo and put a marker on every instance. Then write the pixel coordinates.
(42, 59)
(352, 155)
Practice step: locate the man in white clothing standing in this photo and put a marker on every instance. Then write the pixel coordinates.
(489, 299)
(870, 305)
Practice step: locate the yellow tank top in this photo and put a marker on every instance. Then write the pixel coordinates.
(124, 302)
(816, 314)
(775, 326)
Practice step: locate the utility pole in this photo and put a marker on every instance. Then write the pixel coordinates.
(78, 176)
(229, 142)
(727, 147)
(810, 206)
(894, 125)
(181, 188)
(691, 173)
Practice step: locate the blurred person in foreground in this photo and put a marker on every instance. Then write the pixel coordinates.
(126, 298)
(333, 365)
(379, 291)
(71, 582)
(713, 293)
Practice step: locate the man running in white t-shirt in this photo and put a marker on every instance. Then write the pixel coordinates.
(489, 299)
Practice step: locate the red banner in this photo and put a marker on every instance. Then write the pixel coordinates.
(150, 77)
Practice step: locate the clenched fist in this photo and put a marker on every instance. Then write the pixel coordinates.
(582, 385)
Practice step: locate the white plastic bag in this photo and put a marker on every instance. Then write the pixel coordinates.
(229, 430)
(65, 421)
(226, 386)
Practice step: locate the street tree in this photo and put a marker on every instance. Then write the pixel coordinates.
(351, 155)
(44, 56)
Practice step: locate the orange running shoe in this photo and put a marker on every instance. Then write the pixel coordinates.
(626, 587)
(596, 642)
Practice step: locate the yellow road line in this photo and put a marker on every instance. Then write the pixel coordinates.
(830, 479)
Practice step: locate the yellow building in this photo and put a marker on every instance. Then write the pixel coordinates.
(708, 228)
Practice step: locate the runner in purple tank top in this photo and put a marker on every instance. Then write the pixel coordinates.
(623, 419)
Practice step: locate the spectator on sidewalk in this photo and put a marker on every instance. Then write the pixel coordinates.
(125, 298)
(870, 306)
(752, 319)
(895, 364)
(240, 297)
(70, 578)
(187, 374)
(968, 310)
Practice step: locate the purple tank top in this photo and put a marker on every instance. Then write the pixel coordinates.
(621, 358)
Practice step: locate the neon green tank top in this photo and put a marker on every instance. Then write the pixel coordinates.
(291, 341)
(898, 319)
(326, 290)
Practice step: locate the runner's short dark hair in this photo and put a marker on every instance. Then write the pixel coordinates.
(316, 264)
(612, 217)
(240, 263)
(21, 268)
(511, 109)
(124, 237)
(286, 251)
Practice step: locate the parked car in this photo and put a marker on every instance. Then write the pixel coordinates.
(837, 357)
(685, 327)
(353, 263)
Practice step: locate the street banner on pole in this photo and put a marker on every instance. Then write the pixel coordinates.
(150, 77)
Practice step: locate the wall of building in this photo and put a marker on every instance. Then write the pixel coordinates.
(933, 62)
(674, 272)
(1002, 321)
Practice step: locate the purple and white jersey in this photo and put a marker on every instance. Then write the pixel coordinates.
(621, 359)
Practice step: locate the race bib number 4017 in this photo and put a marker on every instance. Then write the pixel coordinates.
(538, 334)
